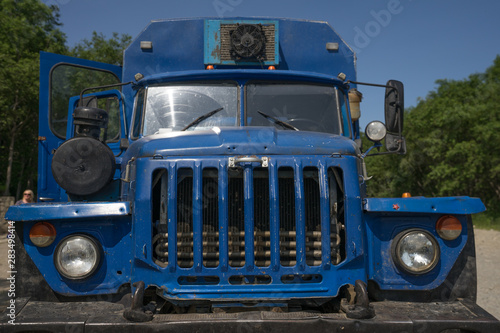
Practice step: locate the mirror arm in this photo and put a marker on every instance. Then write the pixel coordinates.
(375, 85)
(401, 150)
(375, 145)
(371, 84)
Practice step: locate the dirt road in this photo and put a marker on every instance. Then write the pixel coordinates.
(488, 270)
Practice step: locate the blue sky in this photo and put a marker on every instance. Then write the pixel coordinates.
(414, 41)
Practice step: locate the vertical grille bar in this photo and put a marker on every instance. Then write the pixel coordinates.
(210, 216)
(275, 218)
(172, 217)
(262, 230)
(287, 224)
(197, 216)
(159, 204)
(223, 216)
(236, 219)
(337, 218)
(163, 227)
(325, 217)
(185, 217)
(300, 216)
(249, 217)
(313, 215)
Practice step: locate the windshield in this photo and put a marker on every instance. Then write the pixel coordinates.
(303, 107)
(201, 105)
(190, 107)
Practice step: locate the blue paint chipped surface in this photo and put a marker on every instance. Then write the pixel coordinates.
(445, 205)
(70, 210)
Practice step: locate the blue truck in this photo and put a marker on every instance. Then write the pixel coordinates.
(216, 182)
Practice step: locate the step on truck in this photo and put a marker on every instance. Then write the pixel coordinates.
(216, 182)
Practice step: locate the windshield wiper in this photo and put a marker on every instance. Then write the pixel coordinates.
(279, 122)
(201, 118)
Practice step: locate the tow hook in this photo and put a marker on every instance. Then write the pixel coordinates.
(362, 308)
(137, 311)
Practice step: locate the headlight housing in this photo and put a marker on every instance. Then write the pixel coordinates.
(376, 131)
(77, 256)
(416, 251)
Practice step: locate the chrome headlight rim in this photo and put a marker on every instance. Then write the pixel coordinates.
(376, 131)
(97, 248)
(396, 246)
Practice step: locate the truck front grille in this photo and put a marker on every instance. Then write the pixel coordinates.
(283, 215)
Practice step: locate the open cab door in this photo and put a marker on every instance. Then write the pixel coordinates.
(62, 78)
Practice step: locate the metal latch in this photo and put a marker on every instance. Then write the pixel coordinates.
(127, 171)
(264, 161)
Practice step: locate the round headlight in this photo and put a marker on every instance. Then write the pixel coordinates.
(416, 251)
(376, 131)
(77, 257)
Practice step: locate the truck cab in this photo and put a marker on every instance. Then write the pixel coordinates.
(217, 178)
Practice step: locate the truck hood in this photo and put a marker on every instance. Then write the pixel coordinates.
(241, 141)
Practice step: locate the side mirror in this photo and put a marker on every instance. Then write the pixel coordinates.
(394, 112)
(394, 106)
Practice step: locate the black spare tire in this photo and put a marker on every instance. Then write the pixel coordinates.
(83, 166)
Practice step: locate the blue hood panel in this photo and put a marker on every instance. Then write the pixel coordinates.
(241, 141)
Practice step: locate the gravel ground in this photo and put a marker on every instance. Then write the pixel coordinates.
(488, 270)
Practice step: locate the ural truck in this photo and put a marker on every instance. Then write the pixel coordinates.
(216, 182)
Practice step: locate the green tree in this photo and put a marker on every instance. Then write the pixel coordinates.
(27, 26)
(453, 138)
(98, 48)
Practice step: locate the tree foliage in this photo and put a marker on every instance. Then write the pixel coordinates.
(27, 26)
(98, 48)
(453, 138)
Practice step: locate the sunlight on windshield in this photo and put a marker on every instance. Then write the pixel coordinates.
(171, 108)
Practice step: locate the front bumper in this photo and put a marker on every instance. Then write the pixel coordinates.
(390, 317)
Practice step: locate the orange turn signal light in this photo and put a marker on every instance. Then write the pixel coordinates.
(271, 68)
(210, 67)
(448, 227)
(43, 234)
(406, 195)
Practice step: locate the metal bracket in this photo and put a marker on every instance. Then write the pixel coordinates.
(264, 161)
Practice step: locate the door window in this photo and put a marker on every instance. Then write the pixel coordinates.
(69, 80)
